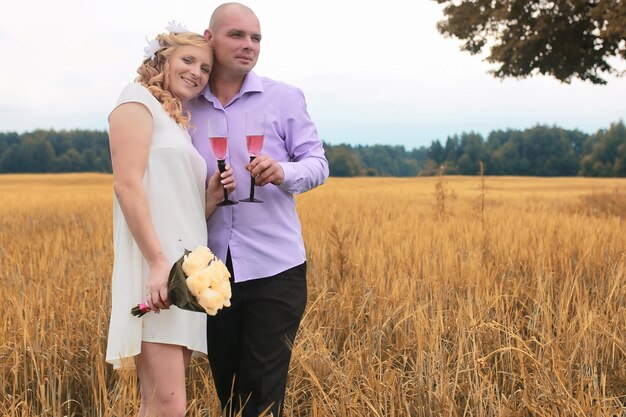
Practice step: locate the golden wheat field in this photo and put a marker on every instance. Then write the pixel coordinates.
(455, 296)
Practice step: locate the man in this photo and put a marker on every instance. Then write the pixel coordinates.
(250, 342)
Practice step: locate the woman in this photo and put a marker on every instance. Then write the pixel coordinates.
(160, 209)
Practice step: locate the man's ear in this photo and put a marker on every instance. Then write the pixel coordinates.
(208, 35)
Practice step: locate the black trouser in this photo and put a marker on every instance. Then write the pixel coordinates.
(250, 342)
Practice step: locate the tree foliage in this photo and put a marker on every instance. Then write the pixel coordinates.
(546, 151)
(538, 151)
(608, 153)
(563, 38)
(52, 151)
(344, 163)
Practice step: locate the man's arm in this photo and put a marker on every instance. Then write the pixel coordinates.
(308, 167)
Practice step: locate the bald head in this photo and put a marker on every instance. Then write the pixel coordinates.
(225, 9)
(235, 34)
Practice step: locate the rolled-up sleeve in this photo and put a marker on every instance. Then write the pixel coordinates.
(308, 167)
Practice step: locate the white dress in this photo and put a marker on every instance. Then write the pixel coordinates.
(175, 185)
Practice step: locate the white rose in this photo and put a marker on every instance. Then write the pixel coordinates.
(211, 301)
(200, 281)
(197, 260)
(220, 270)
(223, 288)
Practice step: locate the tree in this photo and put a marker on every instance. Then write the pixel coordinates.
(13, 159)
(436, 152)
(41, 154)
(472, 153)
(562, 38)
(431, 167)
(608, 156)
(7, 140)
(70, 161)
(343, 162)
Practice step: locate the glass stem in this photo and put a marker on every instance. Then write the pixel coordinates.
(221, 165)
(252, 181)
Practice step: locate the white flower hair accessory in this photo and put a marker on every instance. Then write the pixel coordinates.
(175, 27)
(154, 45)
(152, 48)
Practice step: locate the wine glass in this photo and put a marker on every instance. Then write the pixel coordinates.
(255, 132)
(218, 137)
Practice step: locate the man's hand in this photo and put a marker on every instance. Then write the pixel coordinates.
(265, 171)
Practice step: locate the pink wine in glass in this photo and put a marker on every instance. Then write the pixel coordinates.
(219, 146)
(255, 132)
(255, 144)
(218, 134)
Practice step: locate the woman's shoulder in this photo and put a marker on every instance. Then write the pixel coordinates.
(136, 92)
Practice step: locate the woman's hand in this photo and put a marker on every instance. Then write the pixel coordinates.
(156, 297)
(217, 183)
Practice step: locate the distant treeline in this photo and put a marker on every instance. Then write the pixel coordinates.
(51, 151)
(538, 151)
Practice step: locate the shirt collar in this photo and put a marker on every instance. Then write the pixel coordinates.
(251, 84)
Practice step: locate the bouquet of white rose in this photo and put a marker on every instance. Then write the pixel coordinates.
(198, 281)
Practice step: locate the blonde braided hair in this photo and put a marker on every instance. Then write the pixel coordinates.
(153, 72)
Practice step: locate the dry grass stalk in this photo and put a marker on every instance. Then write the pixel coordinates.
(442, 196)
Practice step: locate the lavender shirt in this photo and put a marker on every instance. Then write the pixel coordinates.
(264, 239)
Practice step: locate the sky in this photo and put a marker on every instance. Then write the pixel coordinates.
(372, 72)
